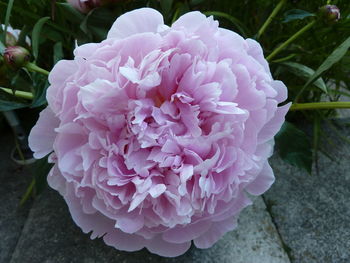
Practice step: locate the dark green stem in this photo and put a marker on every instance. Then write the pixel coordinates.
(270, 18)
(290, 40)
(32, 67)
(320, 105)
(19, 93)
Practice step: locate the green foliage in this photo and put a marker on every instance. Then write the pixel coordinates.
(294, 146)
(36, 35)
(296, 14)
(333, 58)
(8, 103)
(39, 169)
(304, 72)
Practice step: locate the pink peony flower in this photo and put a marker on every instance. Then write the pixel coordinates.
(158, 132)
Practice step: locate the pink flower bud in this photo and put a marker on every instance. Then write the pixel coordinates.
(330, 13)
(85, 6)
(16, 56)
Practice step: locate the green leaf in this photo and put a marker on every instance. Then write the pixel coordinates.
(97, 23)
(40, 170)
(296, 14)
(71, 13)
(196, 2)
(2, 48)
(333, 58)
(22, 36)
(40, 84)
(304, 72)
(166, 6)
(298, 152)
(36, 35)
(31, 15)
(338, 92)
(10, 102)
(7, 19)
(57, 52)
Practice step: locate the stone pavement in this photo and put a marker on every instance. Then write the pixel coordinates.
(13, 183)
(50, 235)
(310, 214)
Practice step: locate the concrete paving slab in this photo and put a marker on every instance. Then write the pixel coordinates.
(312, 211)
(14, 180)
(51, 236)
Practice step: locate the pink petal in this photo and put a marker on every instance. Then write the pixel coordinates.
(190, 21)
(256, 51)
(137, 21)
(248, 96)
(97, 223)
(129, 222)
(187, 233)
(217, 230)
(42, 136)
(281, 90)
(159, 246)
(57, 78)
(157, 190)
(274, 125)
(56, 180)
(123, 241)
(262, 182)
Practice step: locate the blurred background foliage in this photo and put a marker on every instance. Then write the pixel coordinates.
(315, 66)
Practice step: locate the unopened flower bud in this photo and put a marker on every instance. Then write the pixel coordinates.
(16, 56)
(85, 6)
(330, 13)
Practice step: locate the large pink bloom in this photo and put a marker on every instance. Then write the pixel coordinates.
(157, 133)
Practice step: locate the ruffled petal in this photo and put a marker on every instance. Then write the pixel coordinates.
(56, 180)
(123, 241)
(159, 246)
(274, 125)
(281, 89)
(42, 136)
(180, 235)
(190, 21)
(217, 230)
(262, 182)
(97, 223)
(137, 21)
(57, 78)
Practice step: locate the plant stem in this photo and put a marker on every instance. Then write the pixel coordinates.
(284, 59)
(19, 94)
(290, 40)
(7, 19)
(270, 18)
(320, 105)
(28, 192)
(32, 67)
